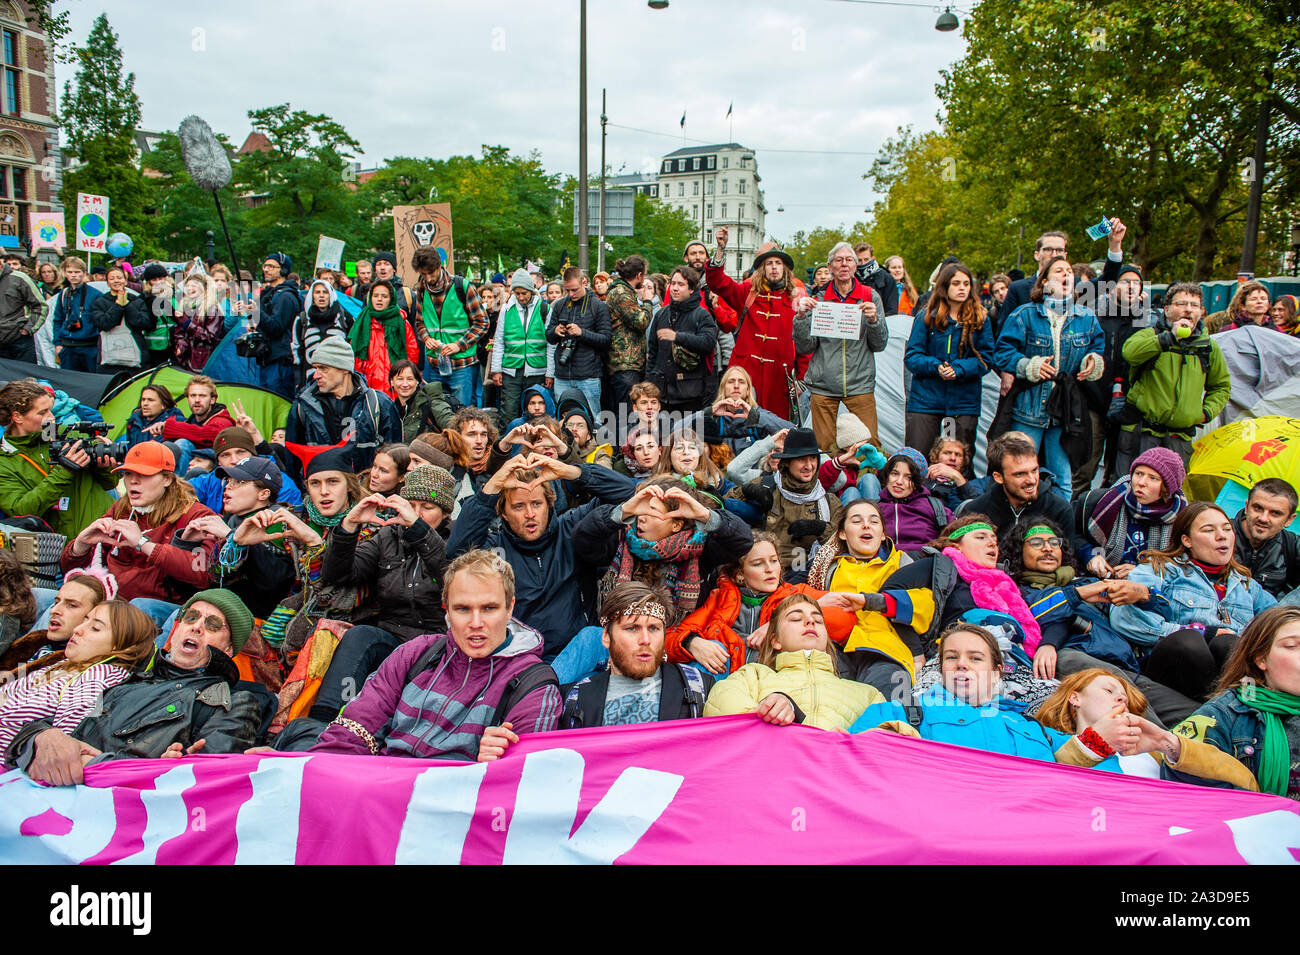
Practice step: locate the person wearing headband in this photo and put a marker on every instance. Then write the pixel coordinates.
(640, 686)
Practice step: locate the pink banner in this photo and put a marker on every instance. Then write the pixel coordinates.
(726, 790)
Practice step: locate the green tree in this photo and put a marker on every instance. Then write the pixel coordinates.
(99, 117)
(300, 187)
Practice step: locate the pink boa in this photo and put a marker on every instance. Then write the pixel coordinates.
(994, 590)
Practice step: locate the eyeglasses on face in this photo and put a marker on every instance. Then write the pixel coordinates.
(212, 623)
(1038, 543)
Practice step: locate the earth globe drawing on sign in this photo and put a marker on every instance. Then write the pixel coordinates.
(119, 245)
(91, 225)
(49, 233)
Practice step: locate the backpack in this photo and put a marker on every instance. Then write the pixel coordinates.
(582, 712)
(524, 682)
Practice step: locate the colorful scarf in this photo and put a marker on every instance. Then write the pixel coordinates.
(394, 331)
(994, 590)
(1274, 774)
(1126, 527)
(816, 494)
(680, 553)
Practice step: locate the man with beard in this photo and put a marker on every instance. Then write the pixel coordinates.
(640, 686)
(1268, 550)
(278, 306)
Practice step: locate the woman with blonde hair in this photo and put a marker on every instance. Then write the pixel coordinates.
(907, 293)
(736, 416)
(114, 639)
(796, 678)
(687, 457)
(200, 323)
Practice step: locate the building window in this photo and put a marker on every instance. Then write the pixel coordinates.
(696, 163)
(740, 211)
(708, 210)
(11, 104)
(740, 266)
(668, 165)
(708, 235)
(725, 161)
(710, 162)
(724, 187)
(740, 187)
(654, 191)
(708, 188)
(724, 210)
(681, 189)
(695, 188)
(695, 212)
(13, 188)
(740, 235)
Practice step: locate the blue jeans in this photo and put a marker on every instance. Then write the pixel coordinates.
(581, 656)
(590, 388)
(162, 612)
(868, 488)
(44, 603)
(459, 384)
(80, 357)
(1054, 458)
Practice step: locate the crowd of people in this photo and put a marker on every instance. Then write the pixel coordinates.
(525, 505)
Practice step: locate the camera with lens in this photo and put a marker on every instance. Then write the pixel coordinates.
(254, 345)
(101, 455)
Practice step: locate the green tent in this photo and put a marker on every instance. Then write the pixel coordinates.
(266, 408)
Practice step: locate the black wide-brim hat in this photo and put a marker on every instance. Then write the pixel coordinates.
(799, 443)
(781, 254)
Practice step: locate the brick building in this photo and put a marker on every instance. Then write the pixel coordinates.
(31, 168)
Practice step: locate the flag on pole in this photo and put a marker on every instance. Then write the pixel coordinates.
(683, 119)
(729, 105)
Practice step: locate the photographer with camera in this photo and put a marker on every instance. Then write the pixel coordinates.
(579, 328)
(58, 484)
(269, 343)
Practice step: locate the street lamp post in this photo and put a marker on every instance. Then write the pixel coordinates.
(600, 239)
(583, 223)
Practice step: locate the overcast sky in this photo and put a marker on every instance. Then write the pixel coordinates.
(437, 78)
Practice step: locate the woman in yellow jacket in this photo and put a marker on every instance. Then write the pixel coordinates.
(854, 562)
(795, 680)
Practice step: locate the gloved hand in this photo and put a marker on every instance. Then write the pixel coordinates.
(808, 527)
(758, 495)
(874, 602)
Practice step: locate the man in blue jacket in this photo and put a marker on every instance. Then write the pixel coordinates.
(554, 591)
(279, 305)
(76, 338)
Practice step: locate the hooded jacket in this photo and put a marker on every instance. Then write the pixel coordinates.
(278, 306)
(842, 367)
(31, 484)
(372, 412)
(1170, 386)
(310, 327)
(440, 712)
(161, 705)
(554, 585)
(573, 401)
(807, 678)
(403, 569)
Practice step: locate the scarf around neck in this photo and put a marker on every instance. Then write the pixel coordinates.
(1274, 773)
(1041, 579)
(815, 494)
(1122, 523)
(394, 331)
(680, 554)
(994, 590)
(685, 306)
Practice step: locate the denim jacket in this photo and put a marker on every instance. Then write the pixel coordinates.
(1027, 334)
(1190, 598)
(1230, 726)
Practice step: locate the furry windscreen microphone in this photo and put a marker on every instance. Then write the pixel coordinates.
(205, 157)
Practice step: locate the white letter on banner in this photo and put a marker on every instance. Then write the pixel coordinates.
(164, 807)
(267, 825)
(1267, 838)
(90, 809)
(438, 816)
(547, 804)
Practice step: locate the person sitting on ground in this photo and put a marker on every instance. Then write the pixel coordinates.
(666, 535)
(641, 684)
(188, 699)
(1210, 597)
(1091, 696)
(795, 679)
(234, 445)
(580, 425)
(726, 630)
(206, 420)
(967, 708)
(946, 479)
(737, 415)
(1254, 715)
(685, 458)
(156, 406)
(641, 454)
(912, 517)
(141, 535)
(535, 403)
(466, 694)
(514, 515)
(1136, 514)
(482, 456)
(852, 473)
(17, 603)
(1264, 546)
(796, 507)
(647, 407)
(113, 639)
(79, 594)
(420, 404)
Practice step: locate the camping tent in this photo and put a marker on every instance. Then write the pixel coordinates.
(266, 408)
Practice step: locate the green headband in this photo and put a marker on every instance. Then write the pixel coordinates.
(1039, 529)
(962, 531)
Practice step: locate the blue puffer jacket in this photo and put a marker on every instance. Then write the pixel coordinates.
(72, 323)
(928, 349)
(993, 728)
(1190, 598)
(1026, 335)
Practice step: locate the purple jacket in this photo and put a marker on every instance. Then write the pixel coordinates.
(912, 522)
(443, 711)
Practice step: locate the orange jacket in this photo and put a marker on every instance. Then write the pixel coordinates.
(712, 620)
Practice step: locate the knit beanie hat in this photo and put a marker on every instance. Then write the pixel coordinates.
(385, 257)
(334, 351)
(849, 430)
(909, 454)
(282, 260)
(521, 279)
(1167, 464)
(432, 484)
(233, 437)
(238, 617)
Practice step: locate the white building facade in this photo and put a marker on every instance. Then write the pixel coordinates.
(715, 186)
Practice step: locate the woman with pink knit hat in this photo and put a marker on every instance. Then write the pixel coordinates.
(1134, 515)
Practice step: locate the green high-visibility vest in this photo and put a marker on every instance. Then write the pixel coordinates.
(450, 324)
(525, 346)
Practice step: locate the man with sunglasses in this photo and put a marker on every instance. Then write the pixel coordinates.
(187, 699)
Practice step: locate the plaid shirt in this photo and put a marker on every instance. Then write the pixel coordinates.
(478, 320)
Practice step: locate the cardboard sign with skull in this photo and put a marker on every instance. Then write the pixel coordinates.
(417, 226)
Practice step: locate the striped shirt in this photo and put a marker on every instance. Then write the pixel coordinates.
(63, 698)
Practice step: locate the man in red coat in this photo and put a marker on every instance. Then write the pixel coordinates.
(207, 418)
(765, 306)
